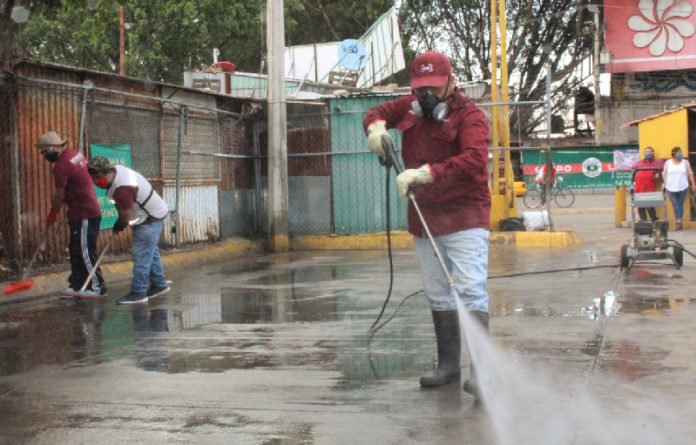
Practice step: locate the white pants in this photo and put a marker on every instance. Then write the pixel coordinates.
(465, 255)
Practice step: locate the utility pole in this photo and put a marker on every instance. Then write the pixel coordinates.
(278, 239)
(121, 42)
(549, 162)
(595, 71)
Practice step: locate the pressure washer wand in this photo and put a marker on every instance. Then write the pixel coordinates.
(392, 160)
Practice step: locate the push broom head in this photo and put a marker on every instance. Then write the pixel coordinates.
(19, 286)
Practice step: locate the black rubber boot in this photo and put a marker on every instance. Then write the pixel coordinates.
(472, 386)
(449, 347)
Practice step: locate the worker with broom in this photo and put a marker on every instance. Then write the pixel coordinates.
(74, 188)
(141, 208)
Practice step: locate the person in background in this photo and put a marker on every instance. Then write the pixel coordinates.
(141, 208)
(445, 152)
(645, 180)
(678, 175)
(74, 189)
(540, 180)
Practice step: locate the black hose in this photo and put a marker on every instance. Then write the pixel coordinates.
(536, 272)
(679, 246)
(389, 249)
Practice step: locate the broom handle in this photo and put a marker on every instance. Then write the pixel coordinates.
(96, 265)
(44, 238)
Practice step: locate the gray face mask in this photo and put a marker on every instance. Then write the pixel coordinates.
(430, 107)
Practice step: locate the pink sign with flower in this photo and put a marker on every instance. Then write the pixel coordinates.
(650, 35)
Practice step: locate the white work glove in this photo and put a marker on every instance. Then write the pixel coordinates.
(411, 177)
(375, 131)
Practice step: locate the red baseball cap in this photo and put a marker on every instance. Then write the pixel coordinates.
(430, 69)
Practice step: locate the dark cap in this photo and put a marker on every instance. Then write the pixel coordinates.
(430, 69)
(99, 164)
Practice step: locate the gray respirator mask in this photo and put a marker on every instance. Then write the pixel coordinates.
(429, 107)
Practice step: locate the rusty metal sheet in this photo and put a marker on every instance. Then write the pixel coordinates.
(42, 108)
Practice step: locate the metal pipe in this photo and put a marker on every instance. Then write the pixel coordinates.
(177, 200)
(81, 144)
(549, 165)
(341, 153)
(126, 94)
(257, 178)
(595, 73)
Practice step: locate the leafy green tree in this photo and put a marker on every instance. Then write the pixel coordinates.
(166, 38)
(13, 16)
(162, 41)
(461, 28)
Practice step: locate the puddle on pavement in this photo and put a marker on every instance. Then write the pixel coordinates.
(222, 317)
(236, 316)
(631, 361)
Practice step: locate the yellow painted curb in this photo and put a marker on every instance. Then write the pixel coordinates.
(403, 240)
(399, 240)
(121, 270)
(535, 239)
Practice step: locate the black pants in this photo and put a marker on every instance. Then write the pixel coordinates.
(650, 210)
(83, 254)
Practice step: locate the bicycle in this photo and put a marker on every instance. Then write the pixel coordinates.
(562, 196)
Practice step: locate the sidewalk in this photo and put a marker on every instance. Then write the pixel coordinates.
(46, 284)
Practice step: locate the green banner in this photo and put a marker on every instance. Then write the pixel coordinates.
(583, 167)
(117, 154)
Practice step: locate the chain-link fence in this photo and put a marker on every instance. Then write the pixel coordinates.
(207, 154)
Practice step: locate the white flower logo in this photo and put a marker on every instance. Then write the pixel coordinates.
(662, 25)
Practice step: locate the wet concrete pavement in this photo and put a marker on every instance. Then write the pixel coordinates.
(273, 349)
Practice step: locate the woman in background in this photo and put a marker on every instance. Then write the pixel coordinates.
(677, 175)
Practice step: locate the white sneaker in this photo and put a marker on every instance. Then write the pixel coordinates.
(86, 292)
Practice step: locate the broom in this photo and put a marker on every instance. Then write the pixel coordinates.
(80, 293)
(24, 284)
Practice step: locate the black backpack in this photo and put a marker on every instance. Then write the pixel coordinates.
(512, 225)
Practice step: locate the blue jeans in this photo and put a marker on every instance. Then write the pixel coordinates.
(147, 264)
(465, 254)
(677, 199)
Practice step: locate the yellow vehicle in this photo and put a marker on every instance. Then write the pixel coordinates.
(520, 188)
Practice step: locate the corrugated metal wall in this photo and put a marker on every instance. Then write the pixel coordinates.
(41, 109)
(199, 210)
(8, 241)
(201, 135)
(359, 181)
(148, 125)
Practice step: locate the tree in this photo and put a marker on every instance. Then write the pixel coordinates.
(164, 39)
(461, 28)
(317, 21)
(13, 16)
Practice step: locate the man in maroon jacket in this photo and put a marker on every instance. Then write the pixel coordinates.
(445, 152)
(74, 188)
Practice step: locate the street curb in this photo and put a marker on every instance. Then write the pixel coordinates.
(404, 240)
(49, 283)
(45, 285)
(363, 241)
(536, 239)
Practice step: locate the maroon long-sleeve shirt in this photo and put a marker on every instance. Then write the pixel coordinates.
(457, 151)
